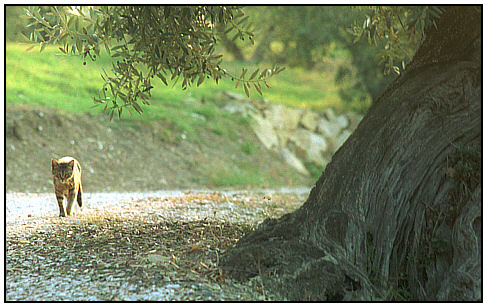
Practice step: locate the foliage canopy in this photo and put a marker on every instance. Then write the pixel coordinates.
(167, 42)
(378, 40)
(395, 27)
(177, 43)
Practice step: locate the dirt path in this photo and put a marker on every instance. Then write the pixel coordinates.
(162, 245)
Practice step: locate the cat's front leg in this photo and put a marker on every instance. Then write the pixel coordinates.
(60, 199)
(71, 197)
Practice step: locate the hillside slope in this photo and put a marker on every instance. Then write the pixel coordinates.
(121, 156)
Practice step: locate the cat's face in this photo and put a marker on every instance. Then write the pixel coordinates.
(62, 171)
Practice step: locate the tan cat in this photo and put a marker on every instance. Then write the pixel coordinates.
(66, 173)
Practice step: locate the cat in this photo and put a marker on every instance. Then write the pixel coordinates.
(66, 173)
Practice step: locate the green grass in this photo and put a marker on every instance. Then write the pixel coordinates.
(52, 79)
(248, 147)
(243, 175)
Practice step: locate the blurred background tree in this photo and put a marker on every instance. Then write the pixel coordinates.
(319, 37)
(16, 24)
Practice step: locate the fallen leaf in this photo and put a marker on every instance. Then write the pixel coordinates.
(196, 247)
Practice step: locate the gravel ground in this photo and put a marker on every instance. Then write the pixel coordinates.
(144, 246)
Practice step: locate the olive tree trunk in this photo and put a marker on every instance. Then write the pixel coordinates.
(397, 212)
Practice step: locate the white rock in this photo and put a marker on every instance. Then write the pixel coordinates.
(310, 120)
(192, 101)
(198, 116)
(239, 108)
(317, 149)
(283, 137)
(330, 114)
(282, 117)
(342, 121)
(354, 120)
(342, 138)
(265, 132)
(293, 161)
(309, 146)
(235, 96)
(327, 128)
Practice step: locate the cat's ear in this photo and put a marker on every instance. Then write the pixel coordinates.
(54, 163)
(71, 163)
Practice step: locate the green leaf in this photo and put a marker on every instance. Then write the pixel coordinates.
(38, 35)
(174, 74)
(257, 87)
(137, 107)
(163, 79)
(117, 47)
(43, 46)
(236, 36)
(30, 47)
(80, 11)
(230, 28)
(96, 105)
(97, 50)
(130, 113)
(70, 22)
(244, 71)
(79, 45)
(263, 74)
(123, 96)
(246, 90)
(24, 38)
(254, 74)
(243, 20)
(200, 80)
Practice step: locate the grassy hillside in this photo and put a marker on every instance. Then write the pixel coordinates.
(51, 79)
(55, 80)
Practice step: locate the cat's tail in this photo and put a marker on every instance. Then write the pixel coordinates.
(79, 197)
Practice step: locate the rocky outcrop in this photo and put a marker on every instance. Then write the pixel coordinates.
(301, 136)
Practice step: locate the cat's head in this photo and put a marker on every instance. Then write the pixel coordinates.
(62, 170)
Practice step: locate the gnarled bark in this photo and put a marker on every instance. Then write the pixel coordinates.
(391, 217)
